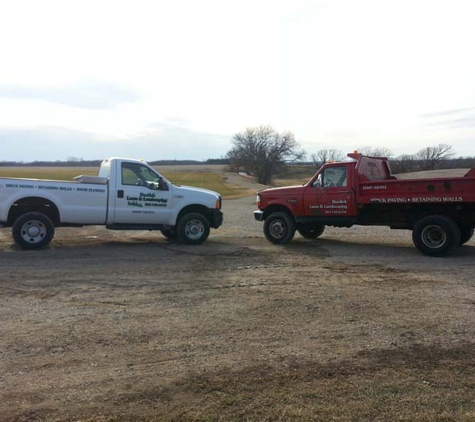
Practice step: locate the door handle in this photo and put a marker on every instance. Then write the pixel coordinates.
(120, 193)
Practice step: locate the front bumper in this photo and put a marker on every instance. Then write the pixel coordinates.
(259, 215)
(217, 218)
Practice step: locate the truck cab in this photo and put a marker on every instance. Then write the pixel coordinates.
(137, 194)
(331, 192)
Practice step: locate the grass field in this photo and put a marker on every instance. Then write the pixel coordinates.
(208, 178)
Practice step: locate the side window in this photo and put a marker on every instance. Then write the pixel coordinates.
(129, 177)
(140, 175)
(334, 177)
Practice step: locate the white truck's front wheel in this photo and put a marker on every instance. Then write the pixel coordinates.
(193, 228)
(33, 230)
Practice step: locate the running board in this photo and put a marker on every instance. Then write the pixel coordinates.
(135, 226)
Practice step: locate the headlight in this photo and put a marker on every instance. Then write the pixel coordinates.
(258, 200)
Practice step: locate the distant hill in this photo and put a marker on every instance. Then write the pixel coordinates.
(97, 163)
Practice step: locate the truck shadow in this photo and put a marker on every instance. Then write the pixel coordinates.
(372, 249)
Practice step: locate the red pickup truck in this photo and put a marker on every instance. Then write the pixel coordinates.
(439, 211)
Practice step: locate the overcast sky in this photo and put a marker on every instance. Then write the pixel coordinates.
(163, 79)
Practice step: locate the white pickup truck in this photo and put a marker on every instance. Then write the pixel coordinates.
(126, 195)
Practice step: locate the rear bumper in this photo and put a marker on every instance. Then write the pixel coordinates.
(217, 218)
(259, 215)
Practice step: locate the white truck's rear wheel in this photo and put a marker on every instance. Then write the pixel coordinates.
(33, 230)
(169, 233)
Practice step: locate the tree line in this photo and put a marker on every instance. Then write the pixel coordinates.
(79, 162)
(265, 153)
(441, 156)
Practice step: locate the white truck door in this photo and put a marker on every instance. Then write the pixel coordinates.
(141, 195)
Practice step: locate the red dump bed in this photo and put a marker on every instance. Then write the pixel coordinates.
(374, 184)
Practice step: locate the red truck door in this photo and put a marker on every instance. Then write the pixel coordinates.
(331, 194)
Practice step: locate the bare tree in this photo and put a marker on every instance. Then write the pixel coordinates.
(376, 152)
(74, 159)
(325, 155)
(264, 152)
(430, 156)
(404, 163)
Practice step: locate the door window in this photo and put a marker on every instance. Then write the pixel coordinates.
(332, 177)
(139, 175)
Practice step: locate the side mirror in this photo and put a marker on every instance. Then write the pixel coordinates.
(318, 182)
(162, 185)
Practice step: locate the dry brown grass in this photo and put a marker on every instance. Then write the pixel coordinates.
(418, 383)
(415, 384)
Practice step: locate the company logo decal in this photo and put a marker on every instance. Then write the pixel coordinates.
(146, 200)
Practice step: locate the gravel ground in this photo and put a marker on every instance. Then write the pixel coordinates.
(106, 325)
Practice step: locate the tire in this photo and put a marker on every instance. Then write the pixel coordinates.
(436, 235)
(466, 234)
(193, 228)
(170, 233)
(311, 232)
(33, 230)
(279, 228)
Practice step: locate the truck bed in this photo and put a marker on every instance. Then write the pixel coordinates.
(418, 190)
(80, 202)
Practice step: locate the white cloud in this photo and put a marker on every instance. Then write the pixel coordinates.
(87, 94)
(335, 72)
(161, 141)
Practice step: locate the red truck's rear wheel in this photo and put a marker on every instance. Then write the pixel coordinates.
(466, 233)
(311, 232)
(279, 228)
(436, 235)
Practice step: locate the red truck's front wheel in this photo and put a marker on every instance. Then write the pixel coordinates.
(279, 228)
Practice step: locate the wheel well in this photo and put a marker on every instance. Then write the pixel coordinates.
(34, 204)
(276, 208)
(201, 209)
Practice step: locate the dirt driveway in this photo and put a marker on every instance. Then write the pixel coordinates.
(113, 326)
